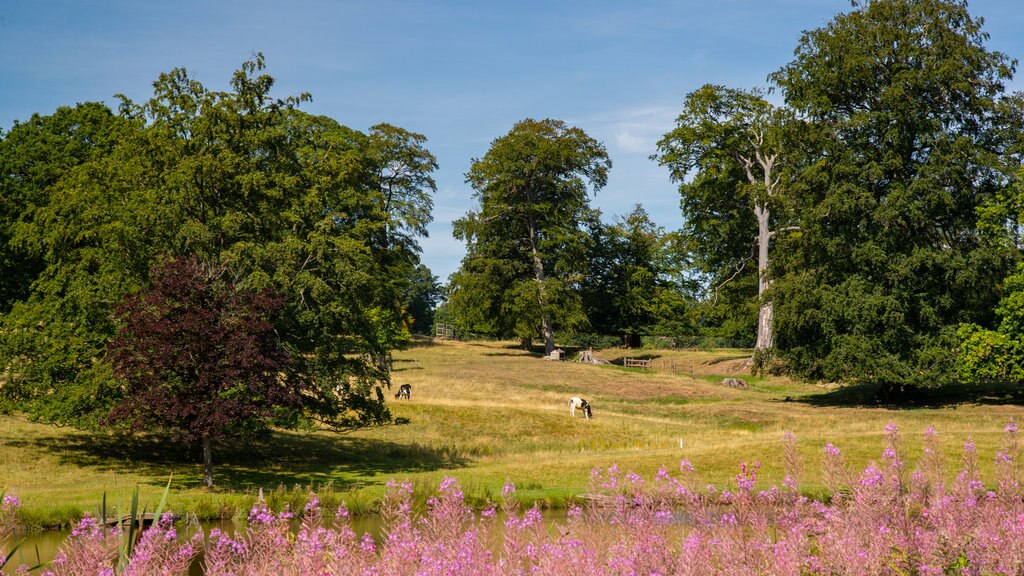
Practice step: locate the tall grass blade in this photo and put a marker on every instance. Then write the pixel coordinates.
(102, 512)
(11, 554)
(39, 561)
(163, 500)
(127, 546)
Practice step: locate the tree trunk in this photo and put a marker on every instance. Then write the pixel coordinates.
(630, 340)
(766, 310)
(539, 277)
(207, 463)
(549, 336)
(766, 161)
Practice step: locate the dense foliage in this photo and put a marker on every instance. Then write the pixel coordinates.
(910, 146)
(525, 244)
(893, 168)
(198, 356)
(633, 285)
(886, 189)
(996, 355)
(888, 520)
(853, 229)
(298, 205)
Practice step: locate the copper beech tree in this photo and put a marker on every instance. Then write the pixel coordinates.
(197, 356)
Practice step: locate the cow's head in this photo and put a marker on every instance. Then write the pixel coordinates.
(586, 409)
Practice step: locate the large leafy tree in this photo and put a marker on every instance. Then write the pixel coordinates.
(420, 298)
(400, 185)
(287, 201)
(198, 356)
(727, 152)
(91, 237)
(402, 168)
(907, 149)
(524, 245)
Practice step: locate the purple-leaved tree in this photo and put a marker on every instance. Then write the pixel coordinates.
(197, 355)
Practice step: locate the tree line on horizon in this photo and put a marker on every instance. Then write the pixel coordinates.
(225, 246)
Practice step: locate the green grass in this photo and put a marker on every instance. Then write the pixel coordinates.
(487, 413)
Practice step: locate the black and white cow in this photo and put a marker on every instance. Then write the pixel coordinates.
(404, 391)
(576, 402)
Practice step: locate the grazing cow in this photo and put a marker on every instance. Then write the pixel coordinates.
(404, 391)
(580, 403)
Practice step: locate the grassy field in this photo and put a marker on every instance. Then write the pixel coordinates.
(486, 413)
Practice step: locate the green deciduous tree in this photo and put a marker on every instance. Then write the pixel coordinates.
(400, 186)
(728, 154)
(420, 297)
(288, 202)
(35, 156)
(633, 285)
(996, 355)
(402, 168)
(524, 245)
(905, 151)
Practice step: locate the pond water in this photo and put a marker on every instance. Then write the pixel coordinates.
(48, 541)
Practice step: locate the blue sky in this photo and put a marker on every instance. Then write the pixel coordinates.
(460, 72)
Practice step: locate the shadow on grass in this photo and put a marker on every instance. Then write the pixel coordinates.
(270, 460)
(407, 369)
(908, 397)
(621, 360)
(730, 358)
(421, 342)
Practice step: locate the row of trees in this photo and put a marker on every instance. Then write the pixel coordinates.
(867, 218)
(208, 262)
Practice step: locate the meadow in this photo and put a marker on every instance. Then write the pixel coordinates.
(489, 413)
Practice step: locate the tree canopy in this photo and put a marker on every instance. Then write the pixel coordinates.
(633, 285)
(865, 228)
(906, 148)
(525, 244)
(893, 166)
(284, 201)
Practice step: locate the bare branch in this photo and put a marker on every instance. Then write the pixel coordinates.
(786, 229)
(747, 165)
(739, 269)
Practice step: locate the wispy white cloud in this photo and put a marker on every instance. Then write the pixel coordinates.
(633, 130)
(629, 141)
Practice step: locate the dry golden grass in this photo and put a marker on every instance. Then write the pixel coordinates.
(487, 412)
(505, 411)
